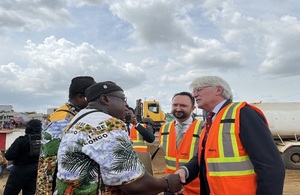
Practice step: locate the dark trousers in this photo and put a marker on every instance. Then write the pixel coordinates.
(22, 177)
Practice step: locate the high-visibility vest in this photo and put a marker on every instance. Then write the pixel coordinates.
(62, 113)
(176, 157)
(138, 142)
(229, 168)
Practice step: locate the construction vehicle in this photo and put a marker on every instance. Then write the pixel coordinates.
(149, 112)
(284, 123)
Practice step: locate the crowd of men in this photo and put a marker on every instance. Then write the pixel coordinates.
(91, 145)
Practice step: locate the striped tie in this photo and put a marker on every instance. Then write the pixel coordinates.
(180, 133)
(208, 123)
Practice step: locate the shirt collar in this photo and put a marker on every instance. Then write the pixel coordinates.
(218, 107)
(77, 109)
(186, 122)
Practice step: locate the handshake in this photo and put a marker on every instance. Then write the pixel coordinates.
(174, 184)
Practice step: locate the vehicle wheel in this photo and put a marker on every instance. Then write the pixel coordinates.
(291, 158)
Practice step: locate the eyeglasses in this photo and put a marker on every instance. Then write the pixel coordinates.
(199, 89)
(123, 98)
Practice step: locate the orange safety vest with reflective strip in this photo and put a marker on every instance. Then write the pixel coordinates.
(229, 168)
(176, 157)
(139, 144)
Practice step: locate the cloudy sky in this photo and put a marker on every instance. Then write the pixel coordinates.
(152, 49)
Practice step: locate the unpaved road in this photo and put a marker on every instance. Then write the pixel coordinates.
(291, 185)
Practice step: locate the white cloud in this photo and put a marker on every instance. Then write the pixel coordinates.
(282, 46)
(149, 62)
(172, 65)
(154, 22)
(32, 15)
(82, 3)
(211, 54)
(53, 63)
(153, 49)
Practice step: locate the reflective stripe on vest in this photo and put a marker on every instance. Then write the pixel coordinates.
(229, 162)
(176, 157)
(138, 142)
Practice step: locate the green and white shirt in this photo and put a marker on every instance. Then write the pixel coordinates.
(96, 156)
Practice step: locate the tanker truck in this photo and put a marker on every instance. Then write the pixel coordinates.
(284, 123)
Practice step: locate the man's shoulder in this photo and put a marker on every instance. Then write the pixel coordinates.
(166, 125)
(19, 141)
(170, 122)
(197, 123)
(98, 118)
(197, 120)
(64, 112)
(58, 120)
(247, 111)
(87, 114)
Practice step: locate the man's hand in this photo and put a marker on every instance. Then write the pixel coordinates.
(182, 175)
(174, 183)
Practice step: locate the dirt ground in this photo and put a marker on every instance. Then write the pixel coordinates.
(291, 185)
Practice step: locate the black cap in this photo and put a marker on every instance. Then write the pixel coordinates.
(34, 126)
(94, 91)
(79, 84)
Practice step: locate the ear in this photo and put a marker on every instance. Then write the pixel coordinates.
(104, 99)
(219, 91)
(80, 97)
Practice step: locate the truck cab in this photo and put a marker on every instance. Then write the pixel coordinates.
(150, 112)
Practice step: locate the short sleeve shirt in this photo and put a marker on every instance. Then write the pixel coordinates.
(52, 131)
(96, 156)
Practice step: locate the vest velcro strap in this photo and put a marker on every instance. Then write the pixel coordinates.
(165, 133)
(196, 135)
(228, 121)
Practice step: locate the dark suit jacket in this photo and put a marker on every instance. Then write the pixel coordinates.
(260, 146)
